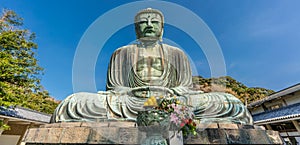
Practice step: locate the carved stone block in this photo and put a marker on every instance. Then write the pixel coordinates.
(237, 136)
(99, 133)
(228, 126)
(103, 135)
(41, 134)
(216, 136)
(128, 135)
(274, 137)
(75, 135)
(258, 136)
(54, 135)
(30, 135)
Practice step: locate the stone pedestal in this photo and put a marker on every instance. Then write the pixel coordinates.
(78, 133)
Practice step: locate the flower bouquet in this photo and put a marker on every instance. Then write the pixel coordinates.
(181, 115)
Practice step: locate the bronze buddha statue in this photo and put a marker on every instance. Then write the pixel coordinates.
(149, 68)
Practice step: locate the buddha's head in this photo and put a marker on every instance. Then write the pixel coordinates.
(149, 24)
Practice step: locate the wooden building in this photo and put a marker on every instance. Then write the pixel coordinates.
(20, 119)
(281, 112)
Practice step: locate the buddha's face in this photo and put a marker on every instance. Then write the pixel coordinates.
(149, 25)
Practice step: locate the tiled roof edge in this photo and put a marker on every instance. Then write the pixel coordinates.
(27, 109)
(278, 118)
(275, 95)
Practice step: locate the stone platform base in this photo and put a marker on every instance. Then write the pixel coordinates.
(78, 133)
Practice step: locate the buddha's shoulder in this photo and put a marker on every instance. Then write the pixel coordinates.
(126, 48)
(172, 48)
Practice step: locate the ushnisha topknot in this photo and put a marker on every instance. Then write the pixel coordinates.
(149, 10)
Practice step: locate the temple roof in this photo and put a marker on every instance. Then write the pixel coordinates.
(24, 113)
(276, 95)
(284, 113)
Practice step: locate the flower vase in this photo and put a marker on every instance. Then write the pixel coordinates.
(156, 124)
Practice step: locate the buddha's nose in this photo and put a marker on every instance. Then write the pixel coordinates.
(150, 24)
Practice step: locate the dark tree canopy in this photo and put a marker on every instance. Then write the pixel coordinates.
(19, 69)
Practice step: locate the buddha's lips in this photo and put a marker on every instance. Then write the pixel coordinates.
(149, 31)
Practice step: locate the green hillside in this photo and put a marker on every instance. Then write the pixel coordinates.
(230, 85)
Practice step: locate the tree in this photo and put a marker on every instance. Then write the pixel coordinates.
(19, 69)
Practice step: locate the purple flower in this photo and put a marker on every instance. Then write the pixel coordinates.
(173, 105)
(174, 118)
(177, 110)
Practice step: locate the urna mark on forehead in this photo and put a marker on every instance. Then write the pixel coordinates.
(149, 16)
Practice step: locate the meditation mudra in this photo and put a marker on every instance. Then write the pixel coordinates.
(149, 68)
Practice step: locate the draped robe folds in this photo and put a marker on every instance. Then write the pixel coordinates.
(118, 104)
(177, 74)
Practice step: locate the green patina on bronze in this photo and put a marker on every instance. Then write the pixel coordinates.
(149, 68)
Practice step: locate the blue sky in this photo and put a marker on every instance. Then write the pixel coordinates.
(259, 39)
